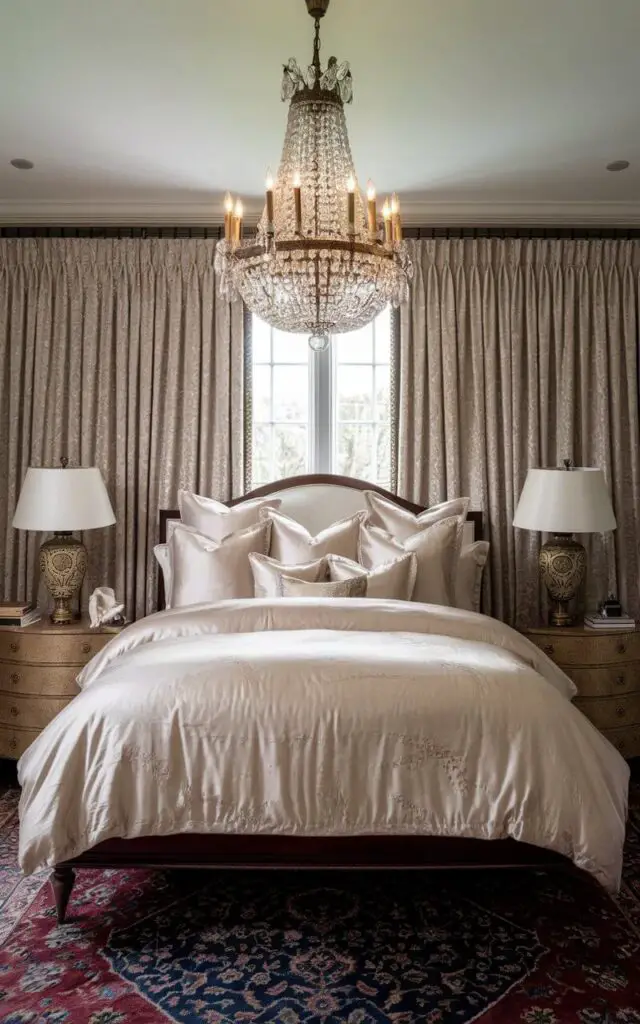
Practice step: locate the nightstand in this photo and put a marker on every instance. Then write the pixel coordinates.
(38, 669)
(605, 666)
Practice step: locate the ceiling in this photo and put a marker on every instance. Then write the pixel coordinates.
(475, 111)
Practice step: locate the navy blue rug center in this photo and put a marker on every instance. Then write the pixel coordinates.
(275, 948)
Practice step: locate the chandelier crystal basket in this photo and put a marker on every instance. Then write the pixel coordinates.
(321, 262)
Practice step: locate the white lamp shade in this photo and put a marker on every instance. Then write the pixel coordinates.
(63, 500)
(565, 501)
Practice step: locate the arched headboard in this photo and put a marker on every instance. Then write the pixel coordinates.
(316, 500)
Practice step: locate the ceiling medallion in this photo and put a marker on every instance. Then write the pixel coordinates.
(321, 262)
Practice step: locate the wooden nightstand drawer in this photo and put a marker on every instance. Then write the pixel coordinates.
(606, 649)
(609, 712)
(45, 680)
(610, 680)
(626, 739)
(29, 712)
(50, 648)
(14, 742)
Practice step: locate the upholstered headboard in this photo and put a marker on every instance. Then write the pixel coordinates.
(316, 501)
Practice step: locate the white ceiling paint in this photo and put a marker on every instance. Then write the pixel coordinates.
(475, 111)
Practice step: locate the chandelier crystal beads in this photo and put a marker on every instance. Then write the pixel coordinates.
(320, 261)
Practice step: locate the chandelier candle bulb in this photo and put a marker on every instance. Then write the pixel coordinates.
(351, 204)
(228, 217)
(269, 191)
(372, 211)
(395, 219)
(297, 199)
(386, 215)
(237, 222)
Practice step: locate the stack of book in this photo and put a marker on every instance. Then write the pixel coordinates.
(618, 622)
(18, 613)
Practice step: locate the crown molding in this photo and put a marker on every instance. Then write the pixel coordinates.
(414, 214)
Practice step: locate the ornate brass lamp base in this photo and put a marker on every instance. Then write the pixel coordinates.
(562, 561)
(63, 563)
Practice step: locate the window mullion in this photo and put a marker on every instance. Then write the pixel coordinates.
(321, 419)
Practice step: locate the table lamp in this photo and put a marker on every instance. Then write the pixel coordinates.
(564, 501)
(59, 501)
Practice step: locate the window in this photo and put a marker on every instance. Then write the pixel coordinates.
(321, 412)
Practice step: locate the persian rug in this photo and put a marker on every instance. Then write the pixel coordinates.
(299, 948)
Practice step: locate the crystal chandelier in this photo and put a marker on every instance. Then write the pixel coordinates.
(320, 262)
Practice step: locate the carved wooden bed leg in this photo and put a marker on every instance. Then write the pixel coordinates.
(62, 879)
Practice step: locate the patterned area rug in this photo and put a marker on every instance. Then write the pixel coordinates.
(287, 948)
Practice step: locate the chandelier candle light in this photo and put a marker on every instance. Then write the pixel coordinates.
(320, 262)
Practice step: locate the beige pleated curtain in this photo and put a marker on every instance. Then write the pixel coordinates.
(518, 353)
(119, 354)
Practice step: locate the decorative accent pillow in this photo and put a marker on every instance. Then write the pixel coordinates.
(204, 570)
(267, 571)
(436, 549)
(393, 580)
(402, 524)
(216, 520)
(292, 544)
(290, 587)
(471, 563)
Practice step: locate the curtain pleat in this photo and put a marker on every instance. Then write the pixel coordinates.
(517, 353)
(116, 353)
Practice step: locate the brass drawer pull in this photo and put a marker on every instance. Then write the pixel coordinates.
(621, 711)
(14, 647)
(14, 711)
(620, 680)
(86, 648)
(548, 649)
(15, 678)
(621, 649)
(13, 743)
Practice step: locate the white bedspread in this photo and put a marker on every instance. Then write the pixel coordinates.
(334, 717)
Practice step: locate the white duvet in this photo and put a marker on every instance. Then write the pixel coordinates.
(334, 717)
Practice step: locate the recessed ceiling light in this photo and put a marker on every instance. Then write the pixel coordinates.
(22, 164)
(618, 165)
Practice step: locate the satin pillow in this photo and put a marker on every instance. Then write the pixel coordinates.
(291, 543)
(393, 580)
(402, 524)
(290, 587)
(266, 572)
(204, 570)
(471, 563)
(436, 549)
(163, 558)
(216, 520)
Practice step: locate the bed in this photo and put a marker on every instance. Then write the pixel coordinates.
(305, 733)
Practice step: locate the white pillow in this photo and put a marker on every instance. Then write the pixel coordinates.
(436, 549)
(216, 520)
(266, 572)
(471, 563)
(163, 558)
(204, 570)
(291, 543)
(290, 587)
(402, 524)
(393, 580)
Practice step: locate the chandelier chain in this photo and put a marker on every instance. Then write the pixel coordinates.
(316, 47)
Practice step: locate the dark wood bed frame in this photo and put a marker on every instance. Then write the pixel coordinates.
(301, 852)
